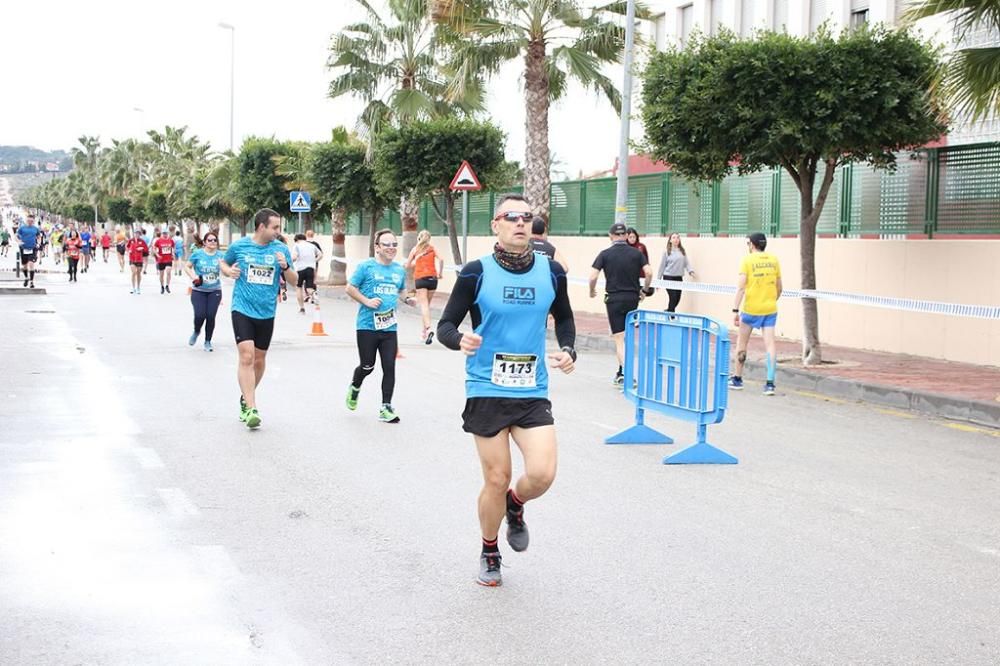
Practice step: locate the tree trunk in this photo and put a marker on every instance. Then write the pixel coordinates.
(536, 125)
(449, 215)
(812, 353)
(409, 213)
(338, 255)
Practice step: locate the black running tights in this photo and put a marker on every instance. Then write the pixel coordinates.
(385, 343)
(72, 267)
(205, 304)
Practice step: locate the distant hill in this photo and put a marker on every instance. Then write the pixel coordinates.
(27, 159)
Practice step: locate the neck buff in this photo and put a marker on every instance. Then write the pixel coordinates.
(512, 261)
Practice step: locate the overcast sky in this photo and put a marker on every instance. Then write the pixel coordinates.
(74, 68)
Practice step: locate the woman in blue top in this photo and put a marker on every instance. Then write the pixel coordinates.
(376, 285)
(206, 287)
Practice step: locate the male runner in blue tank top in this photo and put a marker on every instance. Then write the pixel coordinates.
(509, 295)
(255, 262)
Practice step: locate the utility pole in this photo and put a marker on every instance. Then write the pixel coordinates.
(621, 194)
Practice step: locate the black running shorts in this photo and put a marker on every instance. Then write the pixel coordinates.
(619, 305)
(488, 416)
(27, 257)
(307, 278)
(429, 283)
(247, 328)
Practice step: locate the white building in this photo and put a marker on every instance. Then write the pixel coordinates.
(677, 19)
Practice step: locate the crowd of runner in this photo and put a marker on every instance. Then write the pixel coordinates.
(507, 295)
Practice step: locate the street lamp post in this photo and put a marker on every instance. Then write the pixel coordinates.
(621, 195)
(232, 75)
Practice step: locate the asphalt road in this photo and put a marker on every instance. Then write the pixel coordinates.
(141, 523)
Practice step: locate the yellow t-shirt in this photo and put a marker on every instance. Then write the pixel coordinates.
(762, 271)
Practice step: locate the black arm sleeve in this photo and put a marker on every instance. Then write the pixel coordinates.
(561, 310)
(460, 303)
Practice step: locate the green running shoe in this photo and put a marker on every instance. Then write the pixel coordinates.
(253, 419)
(243, 410)
(387, 415)
(352, 397)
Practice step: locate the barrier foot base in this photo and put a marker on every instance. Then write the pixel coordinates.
(701, 453)
(639, 434)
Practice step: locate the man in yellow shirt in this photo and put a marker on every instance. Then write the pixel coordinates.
(758, 290)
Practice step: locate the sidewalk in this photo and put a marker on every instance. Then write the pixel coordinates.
(944, 389)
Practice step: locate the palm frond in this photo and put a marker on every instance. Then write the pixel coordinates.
(967, 14)
(971, 82)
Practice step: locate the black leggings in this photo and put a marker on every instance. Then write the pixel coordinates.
(386, 344)
(72, 267)
(673, 295)
(206, 304)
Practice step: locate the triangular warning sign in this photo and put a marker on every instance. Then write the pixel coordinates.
(465, 179)
(300, 201)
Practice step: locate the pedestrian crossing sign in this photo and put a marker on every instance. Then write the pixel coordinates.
(300, 202)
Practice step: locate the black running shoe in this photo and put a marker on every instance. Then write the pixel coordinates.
(489, 570)
(517, 531)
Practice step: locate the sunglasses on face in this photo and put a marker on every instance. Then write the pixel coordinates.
(211, 240)
(514, 216)
(389, 245)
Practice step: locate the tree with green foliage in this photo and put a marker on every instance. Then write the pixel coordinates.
(970, 78)
(257, 183)
(120, 210)
(345, 180)
(422, 158)
(556, 40)
(86, 158)
(805, 105)
(157, 207)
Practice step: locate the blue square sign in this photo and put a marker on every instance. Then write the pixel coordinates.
(299, 202)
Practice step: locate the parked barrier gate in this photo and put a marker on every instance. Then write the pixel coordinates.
(678, 365)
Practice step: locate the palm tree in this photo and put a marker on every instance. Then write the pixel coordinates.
(557, 41)
(86, 159)
(970, 78)
(394, 64)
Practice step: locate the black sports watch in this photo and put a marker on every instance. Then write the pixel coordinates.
(571, 352)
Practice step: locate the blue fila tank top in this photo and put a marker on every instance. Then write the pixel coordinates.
(514, 308)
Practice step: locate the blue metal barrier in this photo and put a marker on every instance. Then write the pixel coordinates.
(670, 368)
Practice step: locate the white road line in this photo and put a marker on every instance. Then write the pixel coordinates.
(605, 426)
(147, 457)
(177, 502)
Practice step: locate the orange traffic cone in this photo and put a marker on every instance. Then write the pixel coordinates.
(317, 327)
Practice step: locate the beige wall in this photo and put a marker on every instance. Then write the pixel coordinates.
(956, 271)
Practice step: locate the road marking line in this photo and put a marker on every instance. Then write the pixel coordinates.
(177, 502)
(971, 428)
(605, 426)
(895, 412)
(990, 551)
(147, 457)
(820, 396)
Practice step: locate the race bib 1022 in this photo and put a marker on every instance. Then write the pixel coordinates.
(258, 274)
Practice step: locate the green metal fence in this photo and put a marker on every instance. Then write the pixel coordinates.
(952, 190)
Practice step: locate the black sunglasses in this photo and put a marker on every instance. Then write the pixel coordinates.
(211, 240)
(514, 216)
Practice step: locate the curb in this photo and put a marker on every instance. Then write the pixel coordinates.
(922, 402)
